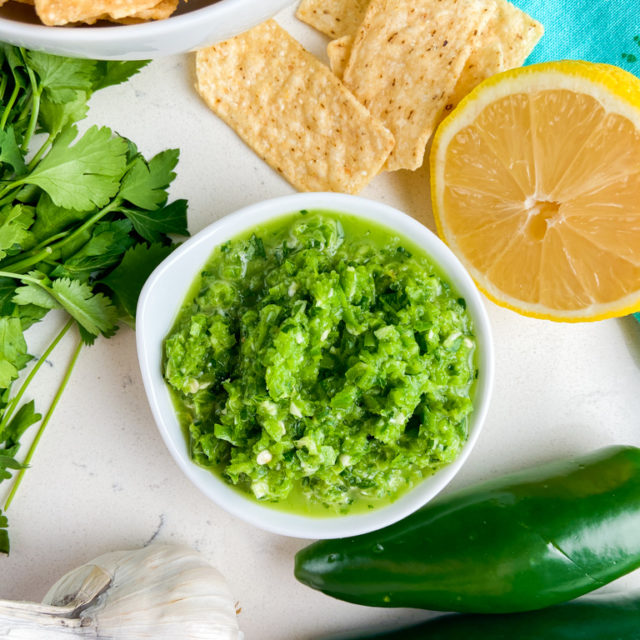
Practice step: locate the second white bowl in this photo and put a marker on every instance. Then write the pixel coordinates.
(164, 294)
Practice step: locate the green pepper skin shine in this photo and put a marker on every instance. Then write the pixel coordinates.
(525, 541)
(594, 618)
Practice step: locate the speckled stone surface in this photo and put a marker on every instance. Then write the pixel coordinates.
(103, 480)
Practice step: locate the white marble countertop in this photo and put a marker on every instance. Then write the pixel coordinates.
(102, 479)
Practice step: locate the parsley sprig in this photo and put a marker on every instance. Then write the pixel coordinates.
(84, 219)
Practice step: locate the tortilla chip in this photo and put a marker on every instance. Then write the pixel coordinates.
(160, 11)
(60, 12)
(505, 43)
(292, 110)
(339, 51)
(335, 18)
(405, 62)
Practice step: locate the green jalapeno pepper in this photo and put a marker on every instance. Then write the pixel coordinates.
(525, 541)
(591, 618)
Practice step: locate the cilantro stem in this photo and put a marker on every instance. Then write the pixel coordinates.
(11, 407)
(43, 425)
(35, 108)
(36, 158)
(7, 109)
(19, 276)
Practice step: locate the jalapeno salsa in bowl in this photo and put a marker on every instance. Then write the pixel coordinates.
(319, 365)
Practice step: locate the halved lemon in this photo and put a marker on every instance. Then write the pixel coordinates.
(535, 181)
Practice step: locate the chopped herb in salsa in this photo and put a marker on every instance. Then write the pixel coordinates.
(322, 362)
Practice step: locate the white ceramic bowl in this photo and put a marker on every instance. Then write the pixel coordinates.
(195, 25)
(163, 296)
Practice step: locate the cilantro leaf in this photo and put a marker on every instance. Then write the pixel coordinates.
(7, 462)
(145, 185)
(10, 151)
(7, 291)
(92, 311)
(34, 294)
(21, 421)
(55, 115)
(27, 313)
(14, 224)
(13, 350)
(4, 534)
(112, 72)
(108, 242)
(51, 219)
(82, 176)
(127, 279)
(154, 225)
(58, 72)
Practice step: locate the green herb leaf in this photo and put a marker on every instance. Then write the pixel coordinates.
(13, 350)
(82, 176)
(21, 421)
(7, 290)
(145, 185)
(93, 311)
(154, 225)
(14, 229)
(127, 279)
(55, 116)
(52, 219)
(58, 72)
(10, 151)
(7, 462)
(4, 534)
(108, 243)
(34, 294)
(111, 72)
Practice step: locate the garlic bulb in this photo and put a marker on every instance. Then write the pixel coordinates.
(161, 591)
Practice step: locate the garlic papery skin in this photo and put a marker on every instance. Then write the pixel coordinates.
(30, 621)
(161, 591)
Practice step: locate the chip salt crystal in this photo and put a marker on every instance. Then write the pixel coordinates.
(283, 103)
(405, 62)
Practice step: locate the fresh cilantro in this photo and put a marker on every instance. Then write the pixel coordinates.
(4, 534)
(14, 229)
(55, 116)
(108, 243)
(84, 175)
(127, 280)
(21, 421)
(13, 350)
(114, 72)
(57, 73)
(7, 462)
(10, 151)
(145, 184)
(154, 225)
(51, 219)
(77, 215)
(92, 311)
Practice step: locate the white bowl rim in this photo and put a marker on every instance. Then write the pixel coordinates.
(116, 33)
(260, 515)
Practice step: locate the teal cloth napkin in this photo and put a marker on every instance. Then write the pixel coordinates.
(593, 30)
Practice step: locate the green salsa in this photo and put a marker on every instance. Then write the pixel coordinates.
(322, 363)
